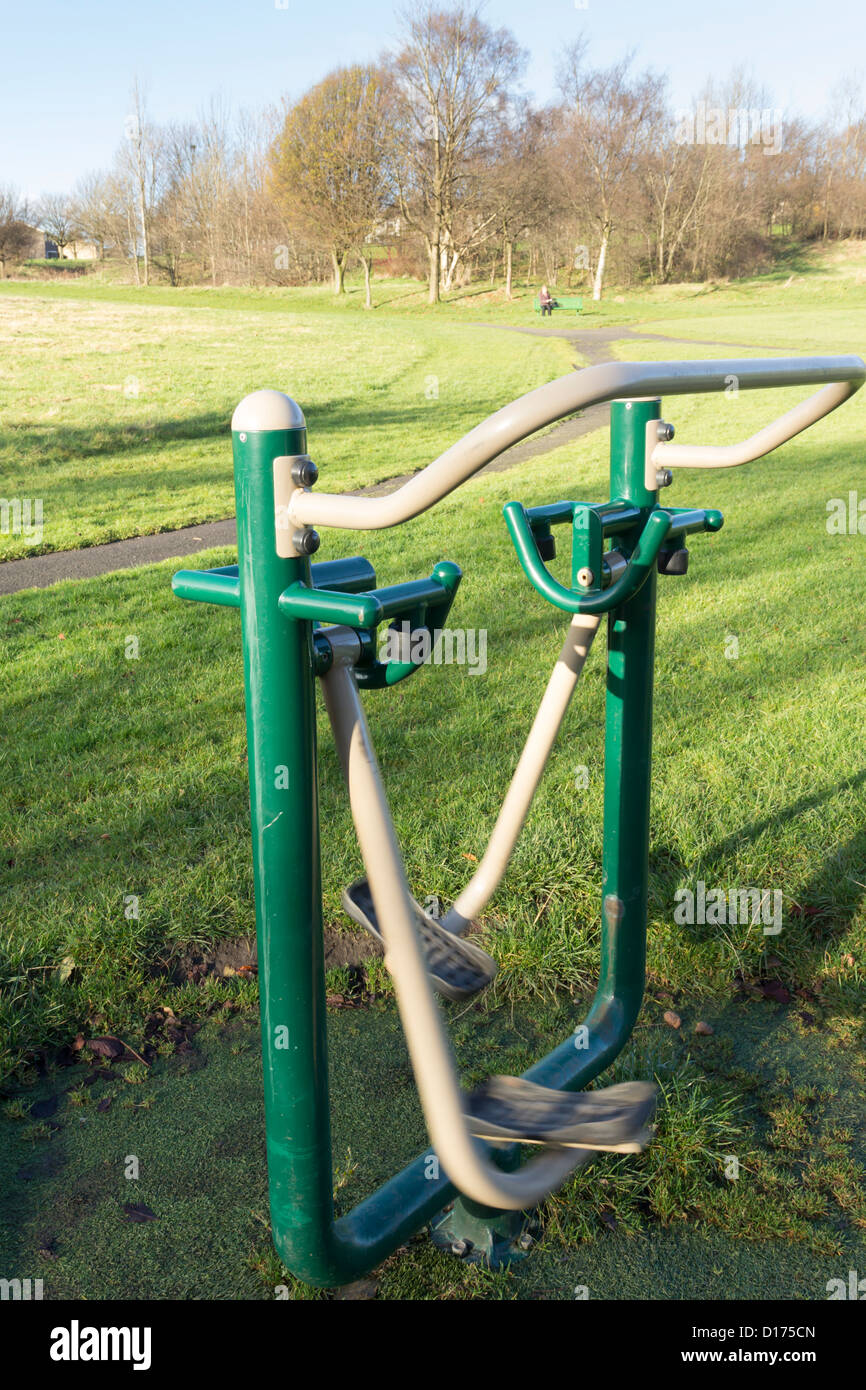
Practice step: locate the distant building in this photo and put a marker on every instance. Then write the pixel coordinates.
(46, 249)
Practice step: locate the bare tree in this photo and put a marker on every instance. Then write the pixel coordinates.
(611, 120)
(57, 219)
(450, 76)
(141, 162)
(98, 209)
(523, 188)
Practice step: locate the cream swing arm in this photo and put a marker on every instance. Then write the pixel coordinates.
(515, 808)
(464, 1157)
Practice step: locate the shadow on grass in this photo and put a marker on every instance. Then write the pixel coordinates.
(64, 443)
(824, 911)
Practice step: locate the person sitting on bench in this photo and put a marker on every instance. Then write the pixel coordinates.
(546, 301)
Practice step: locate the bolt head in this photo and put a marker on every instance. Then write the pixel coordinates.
(585, 578)
(304, 472)
(306, 541)
(664, 431)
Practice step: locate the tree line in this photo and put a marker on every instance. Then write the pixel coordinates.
(432, 162)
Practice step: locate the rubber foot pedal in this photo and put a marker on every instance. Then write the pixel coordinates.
(457, 968)
(615, 1118)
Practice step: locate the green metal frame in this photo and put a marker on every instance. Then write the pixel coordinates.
(282, 602)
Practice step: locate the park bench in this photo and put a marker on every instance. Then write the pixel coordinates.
(563, 302)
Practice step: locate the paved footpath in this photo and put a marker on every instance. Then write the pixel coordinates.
(40, 571)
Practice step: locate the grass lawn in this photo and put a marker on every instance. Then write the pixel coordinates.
(116, 411)
(125, 779)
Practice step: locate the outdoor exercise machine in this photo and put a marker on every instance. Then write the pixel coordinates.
(303, 622)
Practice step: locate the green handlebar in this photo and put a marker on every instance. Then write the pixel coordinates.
(637, 571)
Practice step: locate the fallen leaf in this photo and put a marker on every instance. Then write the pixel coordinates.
(361, 1289)
(340, 1001)
(607, 1219)
(774, 989)
(105, 1104)
(138, 1212)
(64, 969)
(704, 1029)
(472, 857)
(671, 1019)
(79, 1042)
(106, 1047)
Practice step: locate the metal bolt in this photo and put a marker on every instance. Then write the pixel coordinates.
(306, 542)
(304, 471)
(525, 1241)
(664, 432)
(585, 578)
(460, 1247)
(664, 477)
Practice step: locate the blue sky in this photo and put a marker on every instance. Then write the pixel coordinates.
(67, 70)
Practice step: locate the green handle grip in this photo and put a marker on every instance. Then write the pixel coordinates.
(637, 571)
(430, 601)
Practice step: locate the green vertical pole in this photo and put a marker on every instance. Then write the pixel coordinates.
(627, 763)
(281, 749)
(628, 744)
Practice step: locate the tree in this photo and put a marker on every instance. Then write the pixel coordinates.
(522, 188)
(611, 120)
(141, 162)
(451, 76)
(16, 236)
(328, 167)
(98, 211)
(57, 219)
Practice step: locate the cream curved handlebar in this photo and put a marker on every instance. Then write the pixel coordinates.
(803, 415)
(545, 405)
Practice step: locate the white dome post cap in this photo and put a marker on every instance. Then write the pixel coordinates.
(268, 410)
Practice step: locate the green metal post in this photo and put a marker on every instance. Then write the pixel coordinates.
(627, 760)
(628, 742)
(281, 746)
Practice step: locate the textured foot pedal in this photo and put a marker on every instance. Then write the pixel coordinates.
(457, 968)
(615, 1118)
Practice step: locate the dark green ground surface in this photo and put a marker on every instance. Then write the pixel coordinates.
(195, 1124)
